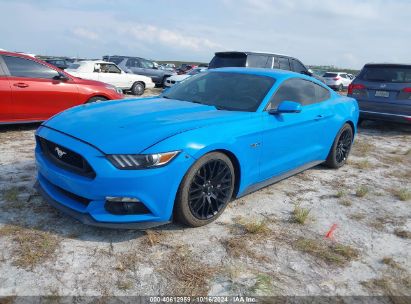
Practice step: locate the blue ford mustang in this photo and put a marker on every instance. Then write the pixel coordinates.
(185, 154)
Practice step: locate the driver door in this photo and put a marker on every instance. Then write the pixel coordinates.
(111, 74)
(292, 140)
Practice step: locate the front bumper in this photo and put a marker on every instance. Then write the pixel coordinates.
(66, 190)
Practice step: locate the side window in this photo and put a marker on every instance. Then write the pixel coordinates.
(344, 76)
(321, 94)
(21, 67)
(257, 61)
(298, 66)
(284, 64)
(146, 64)
(110, 68)
(132, 63)
(298, 90)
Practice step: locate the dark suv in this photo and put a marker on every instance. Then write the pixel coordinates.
(140, 66)
(383, 92)
(260, 60)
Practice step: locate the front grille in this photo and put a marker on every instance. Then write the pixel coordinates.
(65, 158)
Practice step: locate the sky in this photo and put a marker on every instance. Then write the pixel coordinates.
(344, 33)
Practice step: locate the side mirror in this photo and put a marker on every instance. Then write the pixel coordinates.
(61, 77)
(287, 107)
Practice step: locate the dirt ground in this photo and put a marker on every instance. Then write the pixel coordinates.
(271, 242)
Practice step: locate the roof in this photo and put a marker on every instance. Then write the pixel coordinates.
(387, 63)
(254, 52)
(274, 73)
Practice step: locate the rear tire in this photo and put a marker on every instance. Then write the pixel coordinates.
(205, 191)
(138, 88)
(341, 148)
(96, 98)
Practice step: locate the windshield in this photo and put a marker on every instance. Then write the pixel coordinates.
(73, 66)
(224, 90)
(384, 73)
(228, 60)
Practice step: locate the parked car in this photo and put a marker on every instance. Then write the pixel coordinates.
(168, 67)
(185, 68)
(260, 60)
(140, 66)
(337, 80)
(109, 72)
(60, 63)
(155, 163)
(383, 92)
(33, 90)
(172, 80)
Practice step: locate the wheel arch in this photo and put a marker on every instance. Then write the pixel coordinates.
(97, 95)
(236, 165)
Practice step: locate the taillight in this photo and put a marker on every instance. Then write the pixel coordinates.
(407, 90)
(336, 78)
(353, 87)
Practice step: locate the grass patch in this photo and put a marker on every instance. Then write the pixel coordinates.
(123, 284)
(256, 227)
(32, 247)
(361, 148)
(299, 214)
(153, 238)
(263, 285)
(330, 252)
(345, 202)
(402, 194)
(362, 164)
(402, 233)
(340, 193)
(239, 246)
(187, 276)
(127, 261)
(11, 195)
(362, 191)
(391, 263)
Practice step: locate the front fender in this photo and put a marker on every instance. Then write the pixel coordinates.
(243, 140)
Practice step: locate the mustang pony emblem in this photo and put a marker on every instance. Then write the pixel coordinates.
(60, 153)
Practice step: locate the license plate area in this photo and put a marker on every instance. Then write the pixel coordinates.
(384, 94)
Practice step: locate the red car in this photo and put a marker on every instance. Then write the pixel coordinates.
(33, 90)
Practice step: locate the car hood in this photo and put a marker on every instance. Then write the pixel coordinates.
(133, 125)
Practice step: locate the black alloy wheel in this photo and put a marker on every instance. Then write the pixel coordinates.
(210, 189)
(341, 147)
(205, 191)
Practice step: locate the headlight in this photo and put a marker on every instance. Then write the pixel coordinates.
(118, 90)
(141, 161)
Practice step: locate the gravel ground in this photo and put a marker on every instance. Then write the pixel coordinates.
(271, 242)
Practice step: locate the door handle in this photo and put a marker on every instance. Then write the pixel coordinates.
(21, 85)
(318, 117)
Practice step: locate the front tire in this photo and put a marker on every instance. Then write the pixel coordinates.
(138, 88)
(341, 147)
(205, 191)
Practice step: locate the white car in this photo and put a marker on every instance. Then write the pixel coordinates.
(337, 80)
(110, 73)
(172, 80)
